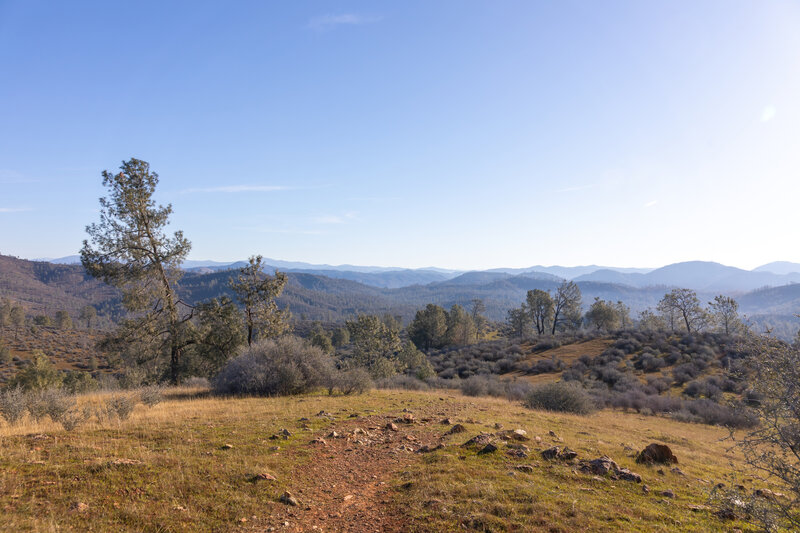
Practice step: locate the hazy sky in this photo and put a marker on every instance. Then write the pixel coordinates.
(457, 134)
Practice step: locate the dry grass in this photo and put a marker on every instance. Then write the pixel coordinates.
(166, 469)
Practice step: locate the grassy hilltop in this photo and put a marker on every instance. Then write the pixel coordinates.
(201, 463)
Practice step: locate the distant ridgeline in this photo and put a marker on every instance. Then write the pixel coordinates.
(328, 295)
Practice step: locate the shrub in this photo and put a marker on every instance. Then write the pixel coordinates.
(152, 395)
(275, 367)
(560, 397)
(77, 382)
(475, 386)
(13, 404)
(197, 382)
(49, 402)
(120, 406)
(355, 380)
(72, 418)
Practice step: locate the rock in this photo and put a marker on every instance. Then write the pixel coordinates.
(520, 435)
(458, 428)
(677, 471)
(430, 448)
(498, 425)
(319, 440)
(656, 454)
(266, 476)
(600, 466)
(79, 507)
(481, 439)
(551, 453)
(517, 446)
(528, 469)
(334, 435)
(519, 454)
(667, 493)
(359, 431)
(626, 475)
(567, 454)
(407, 418)
(489, 448)
(284, 432)
(537, 438)
(288, 499)
(645, 489)
(447, 421)
(353, 415)
(391, 426)
(226, 447)
(699, 508)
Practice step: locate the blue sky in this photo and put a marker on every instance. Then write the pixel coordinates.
(458, 134)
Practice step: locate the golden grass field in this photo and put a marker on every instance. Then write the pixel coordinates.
(169, 468)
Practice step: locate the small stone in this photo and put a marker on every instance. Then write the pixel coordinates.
(458, 428)
(288, 499)
(528, 469)
(391, 426)
(447, 421)
(498, 425)
(677, 471)
(266, 476)
(567, 455)
(319, 440)
(226, 447)
(520, 435)
(551, 453)
(667, 493)
(626, 475)
(489, 448)
(333, 435)
(645, 489)
(79, 507)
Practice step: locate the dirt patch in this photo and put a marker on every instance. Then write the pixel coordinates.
(346, 485)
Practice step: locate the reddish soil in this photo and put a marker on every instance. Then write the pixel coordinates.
(346, 484)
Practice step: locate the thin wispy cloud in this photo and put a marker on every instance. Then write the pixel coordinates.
(14, 209)
(238, 188)
(328, 22)
(12, 176)
(768, 113)
(651, 203)
(335, 219)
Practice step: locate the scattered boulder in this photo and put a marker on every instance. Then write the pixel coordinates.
(391, 426)
(519, 435)
(430, 448)
(264, 476)
(447, 421)
(489, 448)
(407, 418)
(656, 454)
(226, 447)
(481, 439)
(319, 440)
(599, 467)
(551, 453)
(528, 469)
(458, 428)
(626, 475)
(764, 493)
(567, 454)
(288, 499)
(519, 454)
(677, 471)
(667, 493)
(334, 435)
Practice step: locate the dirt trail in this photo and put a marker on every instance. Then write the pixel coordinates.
(346, 484)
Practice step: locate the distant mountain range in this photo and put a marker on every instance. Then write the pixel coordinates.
(334, 295)
(696, 275)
